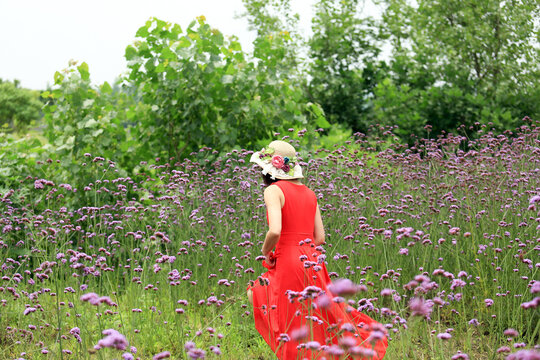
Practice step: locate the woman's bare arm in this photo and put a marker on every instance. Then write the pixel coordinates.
(318, 232)
(273, 206)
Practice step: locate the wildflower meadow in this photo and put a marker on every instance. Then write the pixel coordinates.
(438, 241)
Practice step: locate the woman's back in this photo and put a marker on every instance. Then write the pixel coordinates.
(298, 212)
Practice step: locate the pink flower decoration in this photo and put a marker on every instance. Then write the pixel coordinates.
(278, 161)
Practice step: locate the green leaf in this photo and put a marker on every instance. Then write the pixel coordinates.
(167, 54)
(106, 88)
(176, 29)
(143, 30)
(235, 46)
(90, 123)
(227, 79)
(87, 103)
(160, 68)
(130, 53)
(160, 25)
(58, 78)
(184, 42)
(83, 70)
(5, 171)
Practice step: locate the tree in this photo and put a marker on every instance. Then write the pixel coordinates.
(344, 66)
(278, 40)
(478, 56)
(18, 107)
(204, 92)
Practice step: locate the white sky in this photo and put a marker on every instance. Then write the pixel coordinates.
(39, 37)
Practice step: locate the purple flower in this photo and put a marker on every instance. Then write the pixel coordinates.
(535, 199)
(460, 356)
(335, 350)
(488, 302)
(535, 287)
(284, 338)
(362, 352)
(524, 355)
(162, 355)
(510, 332)
(343, 287)
(454, 230)
(300, 333)
(531, 304)
(91, 297)
(444, 336)
(347, 342)
(419, 307)
(386, 292)
(113, 340)
(323, 301)
(29, 310)
(375, 336)
(107, 300)
(38, 184)
(196, 354)
(457, 283)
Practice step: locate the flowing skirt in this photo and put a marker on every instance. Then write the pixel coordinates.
(300, 318)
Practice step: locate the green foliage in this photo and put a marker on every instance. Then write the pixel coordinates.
(344, 67)
(398, 105)
(18, 158)
(278, 41)
(83, 119)
(203, 91)
(458, 62)
(452, 62)
(19, 107)
(270, 17)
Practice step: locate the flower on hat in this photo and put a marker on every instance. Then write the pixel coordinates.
(278, 161)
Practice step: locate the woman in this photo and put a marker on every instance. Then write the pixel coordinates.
(297, 309)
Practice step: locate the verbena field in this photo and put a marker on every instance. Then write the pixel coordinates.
(444, 236)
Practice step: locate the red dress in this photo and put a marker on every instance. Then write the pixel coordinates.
(290, 312)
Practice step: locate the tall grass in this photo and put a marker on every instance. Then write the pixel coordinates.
(451, 221)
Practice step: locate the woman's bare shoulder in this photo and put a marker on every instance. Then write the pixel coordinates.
(272, 190)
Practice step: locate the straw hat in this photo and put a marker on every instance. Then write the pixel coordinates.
(279, 160)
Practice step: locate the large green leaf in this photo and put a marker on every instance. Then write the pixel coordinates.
(167, 54)
(130, 53)
(143, 30)
(90, 123)
(58, 78)
(83, 70)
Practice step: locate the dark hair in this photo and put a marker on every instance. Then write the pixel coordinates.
(268, 179)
